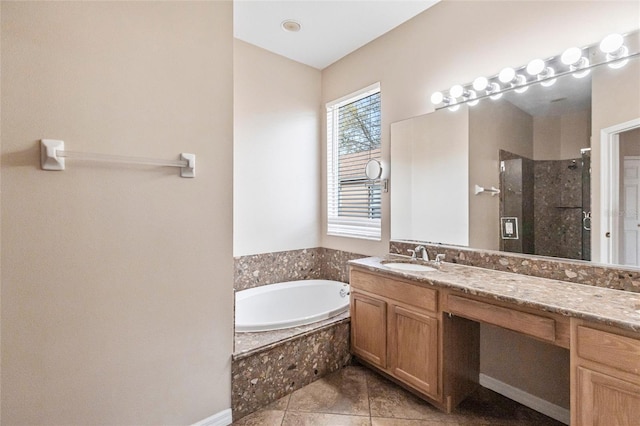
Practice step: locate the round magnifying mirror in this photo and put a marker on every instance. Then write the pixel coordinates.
(373, 169)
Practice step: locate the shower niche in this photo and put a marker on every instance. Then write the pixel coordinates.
(551, 201)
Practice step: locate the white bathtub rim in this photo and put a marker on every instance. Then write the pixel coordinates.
(286, 324)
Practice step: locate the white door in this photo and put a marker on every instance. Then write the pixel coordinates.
(630, 250)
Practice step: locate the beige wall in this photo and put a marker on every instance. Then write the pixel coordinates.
(512, 364)
(276, 152)
(116, 280)
(492, 126)
(629, 144)
(561, 137)
(413, 60)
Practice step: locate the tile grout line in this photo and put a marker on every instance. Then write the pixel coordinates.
(366, 383)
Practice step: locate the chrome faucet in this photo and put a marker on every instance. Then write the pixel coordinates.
(440, 258)
(416, 252)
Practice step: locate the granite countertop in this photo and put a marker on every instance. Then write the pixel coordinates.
(614, 307)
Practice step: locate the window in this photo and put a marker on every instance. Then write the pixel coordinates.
(353, 138)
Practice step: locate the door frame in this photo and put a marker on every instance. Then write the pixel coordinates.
(610, 187)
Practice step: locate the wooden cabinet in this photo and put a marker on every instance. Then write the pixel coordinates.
(604, 399)
(397, 338)
(413, 348)
(427, 339)
(605, 376)
(369, 328)
(394, 327)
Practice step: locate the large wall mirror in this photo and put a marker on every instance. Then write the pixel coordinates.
(517, 174)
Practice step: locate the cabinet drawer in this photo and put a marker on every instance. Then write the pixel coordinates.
(529, 324)
(611, 349)
(406, 292)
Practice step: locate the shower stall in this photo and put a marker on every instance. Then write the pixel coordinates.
(549, 200)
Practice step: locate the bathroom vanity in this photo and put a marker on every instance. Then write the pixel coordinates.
(422, 330)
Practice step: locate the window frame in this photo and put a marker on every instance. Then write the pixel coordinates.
(352, 227)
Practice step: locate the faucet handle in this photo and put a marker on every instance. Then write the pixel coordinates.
(423, 252)
(440, 257)
(413, 253)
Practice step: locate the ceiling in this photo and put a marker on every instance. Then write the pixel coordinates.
(329, 30)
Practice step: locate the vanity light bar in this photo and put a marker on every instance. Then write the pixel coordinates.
(542, 72)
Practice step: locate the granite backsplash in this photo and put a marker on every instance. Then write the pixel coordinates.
(575, 271)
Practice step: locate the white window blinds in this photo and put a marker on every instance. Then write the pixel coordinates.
(353, 138)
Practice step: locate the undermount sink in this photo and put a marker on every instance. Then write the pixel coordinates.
(413, 267)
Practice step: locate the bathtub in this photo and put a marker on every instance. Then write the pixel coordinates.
(289, 304)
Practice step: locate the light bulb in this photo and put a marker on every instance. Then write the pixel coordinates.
(581, 63)
(480, 83)
(472, 98)
(454, 107)
(437, 98)
(535, 67)
(456, 91)
(507, 75)
(619, 63)
(571, 55)
(581, 74)
(520, 80)
(538, 68)
(611, 43)
(549, 72)
(493, 88)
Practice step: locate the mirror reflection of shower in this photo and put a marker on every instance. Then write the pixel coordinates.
(551, 201)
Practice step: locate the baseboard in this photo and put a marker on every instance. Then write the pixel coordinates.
(545, 407)
(223, 418)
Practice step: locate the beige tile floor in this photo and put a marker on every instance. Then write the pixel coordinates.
(356, 396)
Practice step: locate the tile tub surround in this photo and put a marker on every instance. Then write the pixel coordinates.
(269, 365)
(262, 376)
(305, 264)
(574, 271)
(247, 344)
(601, 305)
(269, 268)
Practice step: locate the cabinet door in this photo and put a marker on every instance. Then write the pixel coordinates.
(606, 400)
(413, 349)
(369, 329)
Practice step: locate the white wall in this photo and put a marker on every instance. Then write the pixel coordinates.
(117, 281)
(276, 152)
(431, 164)
(455, 42)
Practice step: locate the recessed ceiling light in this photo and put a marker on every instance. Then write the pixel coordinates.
(291, 26)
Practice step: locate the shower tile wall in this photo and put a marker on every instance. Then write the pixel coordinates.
(558, 208)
